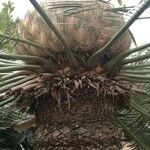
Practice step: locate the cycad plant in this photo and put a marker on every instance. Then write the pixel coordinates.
(79, 77)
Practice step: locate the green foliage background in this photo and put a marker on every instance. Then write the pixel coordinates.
(8, 27)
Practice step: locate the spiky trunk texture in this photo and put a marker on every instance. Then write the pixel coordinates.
(90, 124)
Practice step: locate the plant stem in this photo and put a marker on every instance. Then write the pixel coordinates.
(49, 66)
(139, 58)
(7, 87)
(140, 66)
(134, 80)
(117, 60)
(137, 71)
(3, 74)
(139, 91)
(5, 82)
(21, 41)
(7, 101)
(15, 74)
(8, 61)
(34, 68)
(135, 76)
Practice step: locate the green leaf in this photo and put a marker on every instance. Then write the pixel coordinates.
(136, 121)
(8, 26)
(139, 135)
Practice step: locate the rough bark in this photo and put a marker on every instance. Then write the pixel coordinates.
(85, 124)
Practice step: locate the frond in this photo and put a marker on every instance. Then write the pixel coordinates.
(136, 122)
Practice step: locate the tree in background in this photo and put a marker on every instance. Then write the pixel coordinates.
(76, 75)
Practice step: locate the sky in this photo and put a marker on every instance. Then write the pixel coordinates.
(140, 29)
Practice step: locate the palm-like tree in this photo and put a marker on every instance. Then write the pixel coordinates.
(83, 95)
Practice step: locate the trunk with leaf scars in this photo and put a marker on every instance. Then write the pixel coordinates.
(78, 120)
(89, 124)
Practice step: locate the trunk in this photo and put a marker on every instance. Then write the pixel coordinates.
(81, 124)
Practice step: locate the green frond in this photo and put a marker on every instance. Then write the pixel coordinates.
(34, 68)
(138, 134)
(136, 59)
(135, 76)
(7, 87)
(136, 121)
(7, 101)
(15, 74)
(132, 80)
(5, 82)
(109, 66)
(139, 109)
(47, 64)
(137, 71)
(137, 66)
(120, 32)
